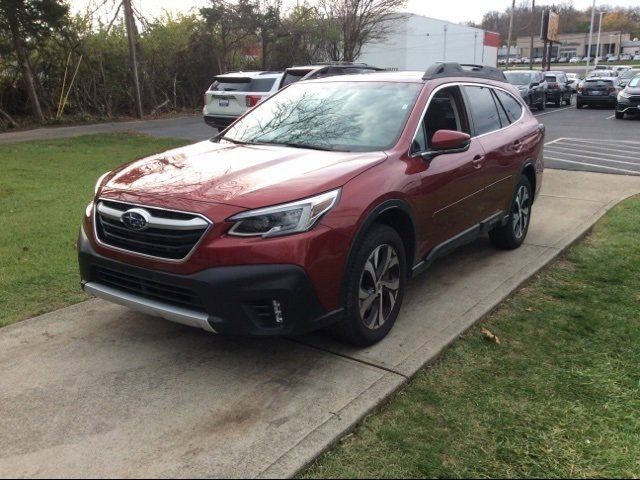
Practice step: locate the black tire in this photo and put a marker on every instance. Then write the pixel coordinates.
(511, 235)
(619, 115)
(353, 327)
(579, 105)
(559, 102)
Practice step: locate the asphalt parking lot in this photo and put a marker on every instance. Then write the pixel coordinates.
(591, 139)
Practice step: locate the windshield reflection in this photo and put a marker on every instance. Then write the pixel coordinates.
(344, 116)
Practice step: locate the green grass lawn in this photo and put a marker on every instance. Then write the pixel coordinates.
(559, 397)
(44, 188)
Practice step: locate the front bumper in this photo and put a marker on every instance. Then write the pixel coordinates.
(627, 106)
(261, 300)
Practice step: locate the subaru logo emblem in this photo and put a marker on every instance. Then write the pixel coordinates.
(136, 219)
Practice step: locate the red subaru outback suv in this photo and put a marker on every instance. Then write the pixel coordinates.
(315, 208)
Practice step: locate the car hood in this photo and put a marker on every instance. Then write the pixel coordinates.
(632, 91)
(247, 176)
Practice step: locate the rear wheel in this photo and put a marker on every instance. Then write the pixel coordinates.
(375, 286)
(511, 235)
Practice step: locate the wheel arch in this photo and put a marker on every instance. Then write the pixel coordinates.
(396, 214)
(529, 171)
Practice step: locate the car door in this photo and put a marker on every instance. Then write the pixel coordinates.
(500, 142)
(447, 188)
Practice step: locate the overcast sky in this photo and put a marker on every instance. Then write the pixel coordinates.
(452, 10)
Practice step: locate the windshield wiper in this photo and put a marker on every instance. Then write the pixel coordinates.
(232, 140)
(300, 145)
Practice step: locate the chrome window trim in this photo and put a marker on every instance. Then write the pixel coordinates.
(143, 255)
(464, 84)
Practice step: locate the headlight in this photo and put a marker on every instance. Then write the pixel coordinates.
(99, 183)
(284, 219)
(624, 94)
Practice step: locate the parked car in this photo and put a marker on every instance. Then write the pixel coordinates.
(311, 72)
(613, 58)
(537, 60)
(558, 88)
(598, 91)
(232, 94)
(625, 58)
(628, 101)
(628, 75)
(587, 59)
(636, 58)
(563, 60)
(525, 60)
(531, 85)
(574, 81)
(602, 73)
(317, 206)
(575, 60)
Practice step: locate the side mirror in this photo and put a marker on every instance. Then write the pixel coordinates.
(447, 141)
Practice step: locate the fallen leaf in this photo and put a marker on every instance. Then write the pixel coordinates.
(490, 336)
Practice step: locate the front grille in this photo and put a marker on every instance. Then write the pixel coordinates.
(162, 292)
(170, 235)
(635, 99)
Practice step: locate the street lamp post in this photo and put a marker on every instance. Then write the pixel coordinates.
(593, 13)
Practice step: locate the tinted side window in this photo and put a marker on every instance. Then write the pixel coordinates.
(445, 112)
(504, 120)
(483, 109)
(510, 104)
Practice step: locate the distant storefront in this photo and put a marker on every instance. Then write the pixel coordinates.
(575, 44)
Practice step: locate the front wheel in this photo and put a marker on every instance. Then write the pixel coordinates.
(375, 285)
(619, 115)
(512, 234)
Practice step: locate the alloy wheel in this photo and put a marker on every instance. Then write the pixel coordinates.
(379, 286)
(521, 212)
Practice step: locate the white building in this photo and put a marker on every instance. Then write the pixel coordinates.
(418, 42)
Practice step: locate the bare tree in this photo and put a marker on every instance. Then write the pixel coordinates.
(358, 22)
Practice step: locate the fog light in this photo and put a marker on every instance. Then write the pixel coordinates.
(277, 311)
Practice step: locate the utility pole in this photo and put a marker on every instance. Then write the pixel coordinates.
(599, 32)
(593, 16)
(131, 34)
(513, 7)
(533, 14)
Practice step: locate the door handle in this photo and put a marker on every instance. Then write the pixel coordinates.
(477, 161)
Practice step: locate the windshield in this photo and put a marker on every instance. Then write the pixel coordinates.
(242, 84)
(635, 82)
(343, 116)
(518, 78)
(550, 78)
(630, 74)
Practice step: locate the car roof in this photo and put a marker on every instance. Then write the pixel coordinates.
(260, 74)
(600, 78)
(382, 76)
(522, 71)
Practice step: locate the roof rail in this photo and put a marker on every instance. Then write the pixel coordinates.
(453, 69)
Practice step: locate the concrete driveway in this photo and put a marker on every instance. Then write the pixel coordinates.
(95, 390)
